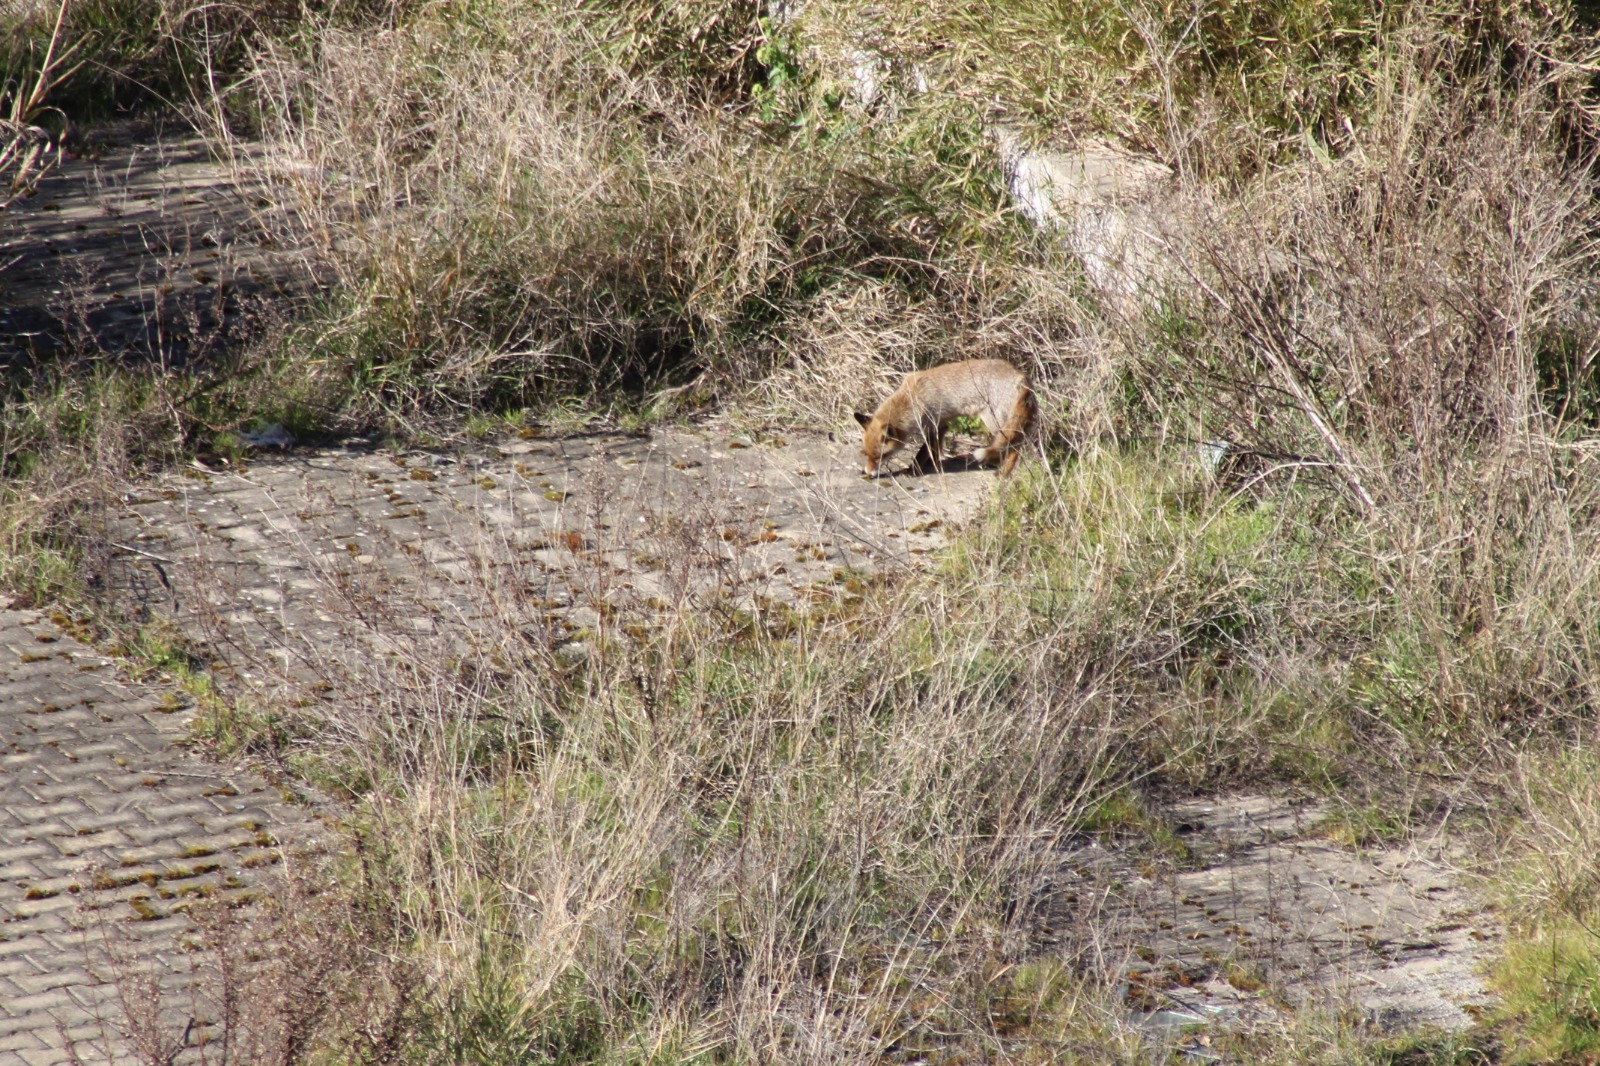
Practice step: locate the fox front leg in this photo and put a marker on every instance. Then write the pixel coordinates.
(931, 457)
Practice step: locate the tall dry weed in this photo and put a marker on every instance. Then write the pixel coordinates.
(524, 202)
(820, 846)
(504, 207)
(1410, 288)
(706, 839)
(1416, 312)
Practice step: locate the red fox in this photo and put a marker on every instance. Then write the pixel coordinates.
(926, 401)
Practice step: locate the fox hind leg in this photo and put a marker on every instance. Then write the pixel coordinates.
(999, 439)
(1007, 440)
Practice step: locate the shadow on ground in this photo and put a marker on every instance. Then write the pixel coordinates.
(141, 245)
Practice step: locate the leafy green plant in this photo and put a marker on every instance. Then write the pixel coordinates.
(776, 53)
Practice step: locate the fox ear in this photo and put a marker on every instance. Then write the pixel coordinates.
(863, 419)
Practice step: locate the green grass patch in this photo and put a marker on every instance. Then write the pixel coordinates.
(1550, 981)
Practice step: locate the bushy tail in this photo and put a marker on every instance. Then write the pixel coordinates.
(1008, 440)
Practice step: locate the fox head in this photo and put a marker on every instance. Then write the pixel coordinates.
(880, 441)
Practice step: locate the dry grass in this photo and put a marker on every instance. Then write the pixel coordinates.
(511, 222)
(1414, 291)
(819, 845)
(828, 841)
(1219, 92)
(1417, 314)
(269, 983)
(707, 839)
(28, 74)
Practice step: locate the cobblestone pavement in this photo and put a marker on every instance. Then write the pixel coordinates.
(270, 566)
(282, 567)
(294, 567)
(109, 830)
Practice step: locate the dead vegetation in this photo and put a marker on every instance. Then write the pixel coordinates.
(817, 847)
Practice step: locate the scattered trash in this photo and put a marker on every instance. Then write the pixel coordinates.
(1212, 452)
(273, 436)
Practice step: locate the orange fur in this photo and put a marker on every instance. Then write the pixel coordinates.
(989, 389)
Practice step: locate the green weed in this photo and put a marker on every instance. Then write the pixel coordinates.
(1550, 982)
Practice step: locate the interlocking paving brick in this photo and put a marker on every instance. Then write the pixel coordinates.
(21, 1038)
(81, 793)
(123, 243)
(287, 557)
(1389, 931)
(295, 574)
(44, 1056)
(266, 569)
(276, 568)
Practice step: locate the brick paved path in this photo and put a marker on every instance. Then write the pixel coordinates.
(109, 830)
(1261, 894)
(278, 567)
(293, 568)
(305, 571)
(314, 568)
(143, 244)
